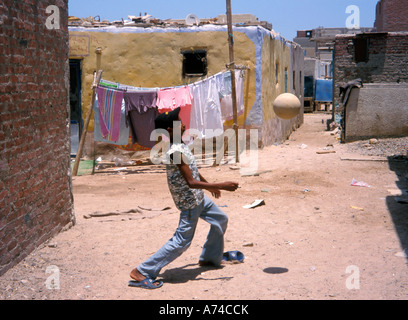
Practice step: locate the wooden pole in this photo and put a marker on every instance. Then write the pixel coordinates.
(233, 85)
(88, 118)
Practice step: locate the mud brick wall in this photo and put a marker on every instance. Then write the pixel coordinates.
(35, 181)
(391, 15)
(387, 59)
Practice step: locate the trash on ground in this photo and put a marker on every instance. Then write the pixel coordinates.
(255, 174)
(248, 244)
(357, 208)
(357, 183)
(256, 203)
(402, 254)
(120, 169)
(122, 162)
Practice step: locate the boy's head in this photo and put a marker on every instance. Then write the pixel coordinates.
(166, 121)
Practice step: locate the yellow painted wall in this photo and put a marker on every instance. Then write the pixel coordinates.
(155, 59)
(274, 52)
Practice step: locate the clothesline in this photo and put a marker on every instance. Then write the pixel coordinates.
(123, 87)
(204, 106)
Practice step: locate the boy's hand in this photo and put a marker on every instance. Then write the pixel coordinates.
(229, 186)
(216, 193)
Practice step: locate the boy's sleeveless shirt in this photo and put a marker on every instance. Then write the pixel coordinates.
(184, 197)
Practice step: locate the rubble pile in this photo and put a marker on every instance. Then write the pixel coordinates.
(147, 20)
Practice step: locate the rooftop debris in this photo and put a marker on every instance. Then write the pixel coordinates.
(147, 21)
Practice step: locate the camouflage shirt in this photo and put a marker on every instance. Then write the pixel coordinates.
(184, 197)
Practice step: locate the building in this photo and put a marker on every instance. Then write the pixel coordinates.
(36, 200)
(379, 59)
(148, 52)
(318, 43)
(391, 16)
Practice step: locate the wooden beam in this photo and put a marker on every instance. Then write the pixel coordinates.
(233, 84)
(97, 79)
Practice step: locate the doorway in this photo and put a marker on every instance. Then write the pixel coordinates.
(75, 93)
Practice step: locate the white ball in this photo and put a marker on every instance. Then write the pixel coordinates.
(287, 106)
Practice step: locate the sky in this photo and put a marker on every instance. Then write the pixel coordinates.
(286, 16)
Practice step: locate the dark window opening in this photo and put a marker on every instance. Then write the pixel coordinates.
(360, 50)
(75, 92)
(194, 63)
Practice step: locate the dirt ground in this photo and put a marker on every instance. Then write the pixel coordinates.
(316, 237)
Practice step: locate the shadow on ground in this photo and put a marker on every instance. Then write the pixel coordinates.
(187, 273)
(398, 204)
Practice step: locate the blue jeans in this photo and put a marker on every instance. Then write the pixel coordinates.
(181, 241)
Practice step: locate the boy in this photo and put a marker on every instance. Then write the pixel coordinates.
(185, 184)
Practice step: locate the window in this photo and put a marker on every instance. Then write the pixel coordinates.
(277, 72)
(194, 63)
(360, 49)
(294, 80)
(286, 79)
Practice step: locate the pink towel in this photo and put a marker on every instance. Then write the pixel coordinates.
(110, 106)
(170, 99)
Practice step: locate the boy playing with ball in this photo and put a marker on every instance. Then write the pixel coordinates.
(186, 186)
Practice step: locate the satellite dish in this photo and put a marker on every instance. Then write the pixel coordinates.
(192, 19)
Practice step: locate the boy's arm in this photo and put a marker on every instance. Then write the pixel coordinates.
(216, 193)
(202, 178)
(203, 184)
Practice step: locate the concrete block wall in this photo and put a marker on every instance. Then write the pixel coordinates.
(36, 199)
(377, 110)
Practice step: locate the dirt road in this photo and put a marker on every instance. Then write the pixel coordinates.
(316, 237)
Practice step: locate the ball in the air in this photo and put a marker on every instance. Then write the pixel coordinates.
(287, 106)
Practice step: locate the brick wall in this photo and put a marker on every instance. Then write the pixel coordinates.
(35, 186)
(392, 15)
(387, 59)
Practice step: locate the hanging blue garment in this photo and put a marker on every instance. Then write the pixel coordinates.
(124, 130)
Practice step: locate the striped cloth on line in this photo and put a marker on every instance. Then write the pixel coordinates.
(110, 105)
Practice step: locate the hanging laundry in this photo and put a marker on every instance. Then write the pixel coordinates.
(141, 111)
(124, 130)
(170, 99)
(110, 104)
(206, 109)
(224, 87)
